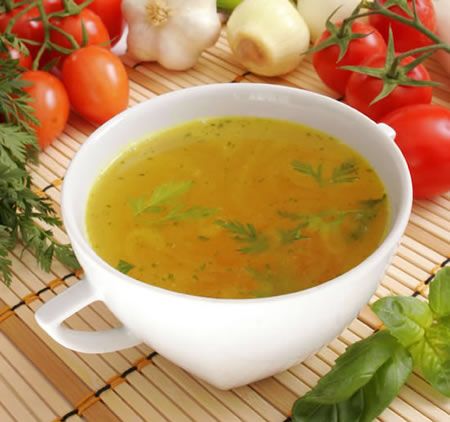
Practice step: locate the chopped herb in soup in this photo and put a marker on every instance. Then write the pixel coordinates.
(237, 207)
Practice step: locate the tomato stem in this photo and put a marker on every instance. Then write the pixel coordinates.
(374, 7)
(70, 9)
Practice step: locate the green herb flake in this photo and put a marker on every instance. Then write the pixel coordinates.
(309, 170)
(346, 172)
(160, 196)
(289, 236)
(247, 234)
(124, 266)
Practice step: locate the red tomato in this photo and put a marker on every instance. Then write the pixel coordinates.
(96, 30)
(423, 135)
(24, 60)
(359, 50)
(26, 27)
(50, 103)
(97, 83)
(406, 37)
(110, 12)
(362, 89)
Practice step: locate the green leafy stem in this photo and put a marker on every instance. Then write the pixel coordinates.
(369, 375)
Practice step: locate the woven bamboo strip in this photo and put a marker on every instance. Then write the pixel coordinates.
(257, 403)
(13, 403)
(276, 393)
(422, 236)
(434, 209)
(33, 401)
(422, 250)
(233, 402)
(34, 377)
(4, 415)
(195, 390)
(54, 368)
(180, 397)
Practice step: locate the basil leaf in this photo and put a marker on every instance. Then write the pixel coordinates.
(386, 383)
(354, 368)
(406, 317)
(438, 335)
(431, 356)
(439, 296)
(348, 410)
(368, 401)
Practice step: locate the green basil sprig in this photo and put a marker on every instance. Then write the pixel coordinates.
(369, 375)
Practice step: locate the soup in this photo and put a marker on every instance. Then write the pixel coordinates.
(237, 207)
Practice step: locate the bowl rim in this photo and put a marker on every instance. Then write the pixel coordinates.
(390, 241)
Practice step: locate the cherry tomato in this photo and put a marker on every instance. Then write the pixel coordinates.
(362, 89)
(359, 49)
(24, 60)
(406, 37)
(423, 135)
(50, 103)
(97, 34)
(97, 83)
(26, 26)
(110, 12)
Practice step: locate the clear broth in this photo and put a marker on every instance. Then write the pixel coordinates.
(237, 207)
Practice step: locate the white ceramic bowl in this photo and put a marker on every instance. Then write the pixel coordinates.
(225, 342)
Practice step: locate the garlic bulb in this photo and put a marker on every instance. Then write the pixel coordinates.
(267, 36)
(171, 32)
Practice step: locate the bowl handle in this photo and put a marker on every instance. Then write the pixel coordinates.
(51, 315)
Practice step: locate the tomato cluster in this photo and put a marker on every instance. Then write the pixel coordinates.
(92, 79)
(423, 130)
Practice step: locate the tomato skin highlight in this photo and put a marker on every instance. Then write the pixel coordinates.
(50, 103)
(362, 89)
(405, 37)
(97, 83)
(423, 135)
(359, 50)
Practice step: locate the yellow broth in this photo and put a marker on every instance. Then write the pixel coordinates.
(237, 207)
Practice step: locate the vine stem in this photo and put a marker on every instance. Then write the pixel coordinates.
(375, 8)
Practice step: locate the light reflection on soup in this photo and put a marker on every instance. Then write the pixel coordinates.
(237, 207)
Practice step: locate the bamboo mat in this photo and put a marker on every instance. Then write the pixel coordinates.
(40, 380)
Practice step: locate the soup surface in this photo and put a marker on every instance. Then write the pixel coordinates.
(237, 207)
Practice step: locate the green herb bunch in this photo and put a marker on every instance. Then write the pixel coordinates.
(23, 212)
(369, 375)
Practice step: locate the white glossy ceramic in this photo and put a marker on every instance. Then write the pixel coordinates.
(225, 342)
